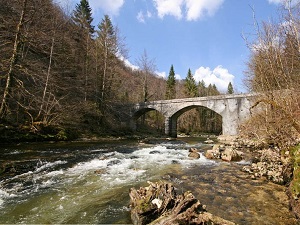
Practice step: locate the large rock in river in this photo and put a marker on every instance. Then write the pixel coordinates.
(193, 153)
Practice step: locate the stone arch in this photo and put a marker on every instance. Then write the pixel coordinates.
(172, 120)
(140, 112)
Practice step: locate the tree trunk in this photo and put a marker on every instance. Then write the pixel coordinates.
(47, 78)
(159, 204)
(13, 62)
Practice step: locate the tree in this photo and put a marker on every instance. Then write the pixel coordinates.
(273, 71)
(108, 48)
(212, 90)
(82, 16)
(202, 88)
(13, 61)
(147, 67)
(171, 84)
(190, 85)
(230, 88)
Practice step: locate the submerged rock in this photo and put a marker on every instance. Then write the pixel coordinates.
(155, 152)
(194, 155)
(159, 204)
(114, 162)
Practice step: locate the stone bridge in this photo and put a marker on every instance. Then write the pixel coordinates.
(234, 109)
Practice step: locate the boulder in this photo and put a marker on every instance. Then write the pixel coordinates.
(229, 154)
(226, 153)
(194, 155)
(210, 154)
(159, 204)
(193, 150)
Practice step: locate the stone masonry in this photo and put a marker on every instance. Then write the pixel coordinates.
(233, 108)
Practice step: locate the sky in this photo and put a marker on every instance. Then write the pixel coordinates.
(205, 36)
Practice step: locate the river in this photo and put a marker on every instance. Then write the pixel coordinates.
(83, 183)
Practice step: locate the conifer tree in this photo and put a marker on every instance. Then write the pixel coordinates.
(230, 88)
(190, 85)
(82, 16)
(202, 88)
(171, 85)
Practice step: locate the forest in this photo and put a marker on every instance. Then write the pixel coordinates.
(61, 77)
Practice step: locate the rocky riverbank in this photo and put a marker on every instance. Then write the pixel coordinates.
(280, 166)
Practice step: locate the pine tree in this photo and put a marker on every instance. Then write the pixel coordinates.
(171, 85)
(190, 85)
(202, 88)
(230, 88)
(212, 90)
(82, 16)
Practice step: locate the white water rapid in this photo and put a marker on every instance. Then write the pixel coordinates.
(91, 191)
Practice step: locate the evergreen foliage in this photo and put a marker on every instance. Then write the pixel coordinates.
(171, 84)
(82, 16)
(230, 88)
(190, 85)
(202, 89)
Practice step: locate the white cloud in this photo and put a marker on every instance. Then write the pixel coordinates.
(161, 74)
(275, 1)
(219, 76)
(169, 7)
(178, 77)
(141, 16)
(165, 76)
(109, 6)
(128, 63)
(195, 9)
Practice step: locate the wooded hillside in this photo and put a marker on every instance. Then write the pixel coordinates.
(60, 74)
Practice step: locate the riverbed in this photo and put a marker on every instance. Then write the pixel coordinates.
(89, 182)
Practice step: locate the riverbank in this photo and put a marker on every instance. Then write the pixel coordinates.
(280, 166)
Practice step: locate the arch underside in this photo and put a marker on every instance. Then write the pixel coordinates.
(173, 120)
(188, 108)
(141, 112)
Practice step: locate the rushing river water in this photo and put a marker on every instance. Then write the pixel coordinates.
(82, 183)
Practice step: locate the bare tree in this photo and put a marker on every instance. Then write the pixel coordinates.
(273, 71)
(147, 67)
(13, 60)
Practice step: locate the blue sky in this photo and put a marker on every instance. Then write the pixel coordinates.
(203, 35)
